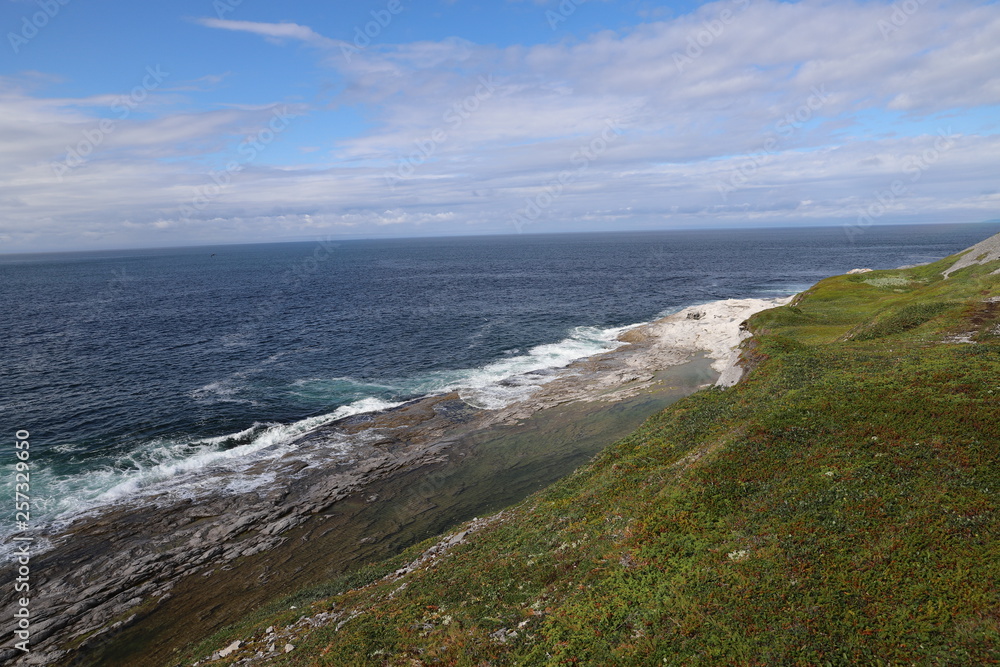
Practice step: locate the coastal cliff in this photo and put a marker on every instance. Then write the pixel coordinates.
(838, 505)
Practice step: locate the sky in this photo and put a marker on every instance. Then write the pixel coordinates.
(193, 122)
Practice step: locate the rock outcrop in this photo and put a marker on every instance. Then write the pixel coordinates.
(987, 250)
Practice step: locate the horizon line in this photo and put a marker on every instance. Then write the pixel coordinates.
(348, 239)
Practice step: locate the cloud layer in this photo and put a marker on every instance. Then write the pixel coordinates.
(742, 113)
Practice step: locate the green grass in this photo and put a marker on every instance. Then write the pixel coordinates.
(837, 507)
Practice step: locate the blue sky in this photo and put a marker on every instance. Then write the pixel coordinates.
(158, 124)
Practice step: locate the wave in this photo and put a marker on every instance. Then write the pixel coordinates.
(505, 381)
(178, 468)
(153, 467)
(492, 386)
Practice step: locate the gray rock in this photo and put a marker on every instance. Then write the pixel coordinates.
(981, 253)
(229, 650)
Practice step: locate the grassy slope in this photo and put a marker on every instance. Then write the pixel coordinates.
(839, 506)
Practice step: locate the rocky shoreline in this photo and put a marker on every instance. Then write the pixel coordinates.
(130, 584)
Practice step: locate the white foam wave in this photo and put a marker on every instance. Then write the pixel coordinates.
(183, 468)
(233, 437)
(363, 406)
(164, 462)
(514, 378)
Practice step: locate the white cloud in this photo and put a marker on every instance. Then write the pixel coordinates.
(814, 103)
(275, 31)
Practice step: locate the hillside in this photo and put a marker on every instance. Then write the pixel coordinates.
(837, 506)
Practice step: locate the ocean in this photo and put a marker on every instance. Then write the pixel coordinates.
(135, 370)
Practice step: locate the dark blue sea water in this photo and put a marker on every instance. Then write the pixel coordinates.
(131, 367)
